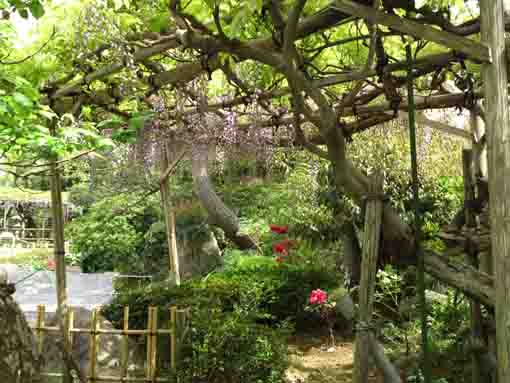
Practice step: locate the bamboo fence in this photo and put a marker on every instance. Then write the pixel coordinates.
(152, 333)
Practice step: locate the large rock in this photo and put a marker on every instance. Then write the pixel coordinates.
(19, 361)
(199, 257)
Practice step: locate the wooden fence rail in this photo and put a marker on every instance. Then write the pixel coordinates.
(152, 332)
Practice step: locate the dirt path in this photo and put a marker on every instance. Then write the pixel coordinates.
(312, 362)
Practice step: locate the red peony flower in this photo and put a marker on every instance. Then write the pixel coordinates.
(50, 264)
(279, 248)
(318, 297)
(279, 229)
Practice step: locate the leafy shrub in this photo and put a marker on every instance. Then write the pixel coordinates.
(127, 233)
(232, 347)
(238, 317)
(276, 293)
(110, 235)
(102, 238)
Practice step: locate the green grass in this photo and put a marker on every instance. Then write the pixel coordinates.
(29, 257)
(17, 194)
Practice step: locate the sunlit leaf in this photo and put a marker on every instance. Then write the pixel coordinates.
(36, 9)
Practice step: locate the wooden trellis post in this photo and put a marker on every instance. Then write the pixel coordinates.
(495, 80)
(371, 239)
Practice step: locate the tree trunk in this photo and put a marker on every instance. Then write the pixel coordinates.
(168, 209)
(352, 254)
(219, 214)
(496, 96)
(397, 244)
(19, 362)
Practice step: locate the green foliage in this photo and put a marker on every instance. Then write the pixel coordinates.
(24, 8)
(109, 235)
(232, 347)
(37, 258)
(238, 317)
(127, 232)
(387, 149)
(271, 292)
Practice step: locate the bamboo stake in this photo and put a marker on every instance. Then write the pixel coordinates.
(173, 339)
(70, 326)
(371, 240)
(149, 344)
(125, 343)
(154, 342)
(39, 328)
(93, 345)
(420, 272)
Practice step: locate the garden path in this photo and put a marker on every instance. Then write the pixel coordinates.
(312, 362)
(84, 290)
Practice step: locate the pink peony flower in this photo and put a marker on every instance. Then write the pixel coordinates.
(318, 297)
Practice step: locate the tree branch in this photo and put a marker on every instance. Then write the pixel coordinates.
(289, 35)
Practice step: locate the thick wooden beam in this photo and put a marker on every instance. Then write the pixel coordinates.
(422, 102)
(371, 241)
(442, 127)
(496, 101)
(474, 284)
(474, 50)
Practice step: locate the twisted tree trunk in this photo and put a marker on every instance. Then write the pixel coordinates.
(219, 213)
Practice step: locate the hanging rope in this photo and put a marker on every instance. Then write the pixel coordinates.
(417, 219)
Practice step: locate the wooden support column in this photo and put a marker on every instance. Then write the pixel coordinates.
(371, 239)
(57, 215)
(470, 232)
(495, 81)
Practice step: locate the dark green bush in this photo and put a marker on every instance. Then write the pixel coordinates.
(106, 237)
(275, 293)
(126, 233)
(239, 317)
(231, 347)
